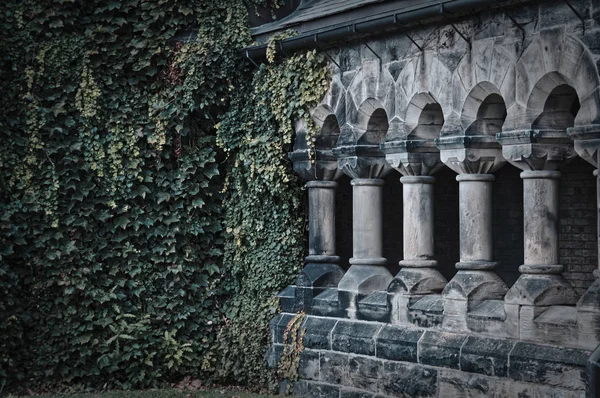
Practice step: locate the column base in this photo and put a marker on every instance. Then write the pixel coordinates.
(417, 263)
(588, 315)
(541, 290)
(476, 265)
(314, 279)
(465, 291)
(359, 281)
(417, 281)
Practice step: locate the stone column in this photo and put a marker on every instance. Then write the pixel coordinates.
(417, 196)
(367, 228)
(540, 212)
(541, 284)
(321, 269)
(475, 219)
(366, 165)
(416, 160)
(587, 145)
(474, 158)
(321, 222)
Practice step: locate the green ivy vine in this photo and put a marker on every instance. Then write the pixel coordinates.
(148, 212)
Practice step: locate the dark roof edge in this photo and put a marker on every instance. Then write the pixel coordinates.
(393, 20)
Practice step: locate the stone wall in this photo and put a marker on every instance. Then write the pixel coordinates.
(365, 359)
(500, 95)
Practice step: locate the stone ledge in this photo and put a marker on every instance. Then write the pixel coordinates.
(352, 352)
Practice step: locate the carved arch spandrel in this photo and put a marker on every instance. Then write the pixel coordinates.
(552, 59)
(488, 69)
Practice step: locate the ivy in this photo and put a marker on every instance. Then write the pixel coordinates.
(265, 215)
(148, 212)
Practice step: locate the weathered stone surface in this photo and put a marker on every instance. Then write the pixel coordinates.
(357, 394)
(304, 388)
(354, 337)
(365, 373)
(553, 366)
(288, 300)
(441, 349)
(406, 380)
(273, 355)
(374, 307)
(427, 312)
(309, 367)
(453, 383)
(278, 325)
(320, 275)
(318, 332)
(486, 356)
(326, 303)
(398, 344)
(334, 368)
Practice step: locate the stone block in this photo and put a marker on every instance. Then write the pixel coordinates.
(427, 312)
(318, 332)
(357, 394)
(453, 383)
(552, 366)
(334, 368)
(554, 325)
(486, 356)
(441, 349)
(288, 300)
(558, 13)
(489, 317)
(374, 307)
(326, 304)
(278, 325)
(355, 337)
(408, 380)
(588, 330)
(398, 344)
(304, 388)
(273, 355)
(365, 373)
(309, 365)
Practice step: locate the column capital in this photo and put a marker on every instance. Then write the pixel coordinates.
(417, 180)
(536, 149)
(413, 157)
(477, 154)
(538, 174)
(323, 167)
(361, 161)
(476, 177)
(325, 184)
(587, 142)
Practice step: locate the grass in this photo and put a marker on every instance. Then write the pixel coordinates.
(213, 393)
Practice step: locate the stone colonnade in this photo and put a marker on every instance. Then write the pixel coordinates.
(534, 117)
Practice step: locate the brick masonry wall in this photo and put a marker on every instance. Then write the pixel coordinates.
(507, 204)
(343, 221)
(447, 231)
(578, 243)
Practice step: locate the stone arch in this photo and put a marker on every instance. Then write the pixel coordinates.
(335, 99)
(552, 59)
(484, 110)
(327, 123)
(428, 75)
(371, 124)
(555, 109)
(489, 67)
(424, 117)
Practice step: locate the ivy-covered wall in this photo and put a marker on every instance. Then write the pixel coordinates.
(148, 212)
